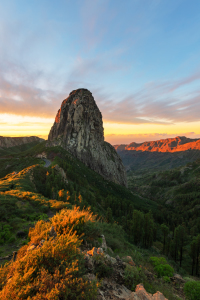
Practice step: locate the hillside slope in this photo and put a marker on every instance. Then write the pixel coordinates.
(158, 155)
(37, 193)
(178, 191)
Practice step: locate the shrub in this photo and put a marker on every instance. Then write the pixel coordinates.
(92, 231)
(103, 267)
(53, 271)
(11, 239)
(158, 260)
(161, 267)
(133, 276)
(166, 279)
(192, 290)
(5, 233)
(72, 219)
(164, 270)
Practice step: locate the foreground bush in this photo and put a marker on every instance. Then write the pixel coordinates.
(53, 270)
(192, 290)
(63, 222)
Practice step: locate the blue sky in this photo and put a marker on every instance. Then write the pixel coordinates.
(140, 59)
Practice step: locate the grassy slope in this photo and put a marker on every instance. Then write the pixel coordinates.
(21, 206)
(15, 159)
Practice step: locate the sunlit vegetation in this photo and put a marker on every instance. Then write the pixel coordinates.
(21, 206)
(137, 223)
(50, 267)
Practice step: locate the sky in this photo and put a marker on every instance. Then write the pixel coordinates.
(139, 58)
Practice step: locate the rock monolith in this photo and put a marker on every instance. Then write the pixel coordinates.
(78, 128)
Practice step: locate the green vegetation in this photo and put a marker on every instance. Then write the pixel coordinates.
(161, 267)
(142, 163)
(159, 215)
(133, 276)
(21, 206)
(54, 268)
(177, 193)
(13, 151)
(103, 267)
(192, 290)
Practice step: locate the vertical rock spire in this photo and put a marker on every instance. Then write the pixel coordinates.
(78, 128)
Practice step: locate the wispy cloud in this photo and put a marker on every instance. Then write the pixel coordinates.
(115, 139)
(26, 89)
(157, 103)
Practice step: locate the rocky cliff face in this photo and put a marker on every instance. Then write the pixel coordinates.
(179, 143)
(6, 142)
(78, 128)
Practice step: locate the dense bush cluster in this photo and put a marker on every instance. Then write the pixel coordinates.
(192, 290)
(161, 268)
(53, 269)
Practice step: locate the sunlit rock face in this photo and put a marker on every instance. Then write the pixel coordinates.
(177, 144)
(78, 128)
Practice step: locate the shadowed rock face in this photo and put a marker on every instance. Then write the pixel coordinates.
(78, 128)
(6, 142)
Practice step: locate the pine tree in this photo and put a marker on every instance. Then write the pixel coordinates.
(165, 231)
(137, 226)
(148, 229)
(109, 217)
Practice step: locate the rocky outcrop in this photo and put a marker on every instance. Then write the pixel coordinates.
(141, 294)
(6, 142)
(78, 128)
(113, 286)
(179, 143)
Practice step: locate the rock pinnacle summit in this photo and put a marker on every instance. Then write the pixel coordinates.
(78, 128)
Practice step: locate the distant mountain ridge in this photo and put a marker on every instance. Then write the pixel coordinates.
(6, 142)
(177, 144)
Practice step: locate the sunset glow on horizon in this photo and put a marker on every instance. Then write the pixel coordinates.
(115, 133)
(139, 60)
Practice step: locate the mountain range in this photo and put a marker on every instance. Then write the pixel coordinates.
(158, 155)
(177, 144)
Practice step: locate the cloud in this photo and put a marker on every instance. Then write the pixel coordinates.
(35, 101)
(156, 103)
(116, 139)
(34, 91)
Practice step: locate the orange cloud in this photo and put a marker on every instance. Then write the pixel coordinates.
(116, 139)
